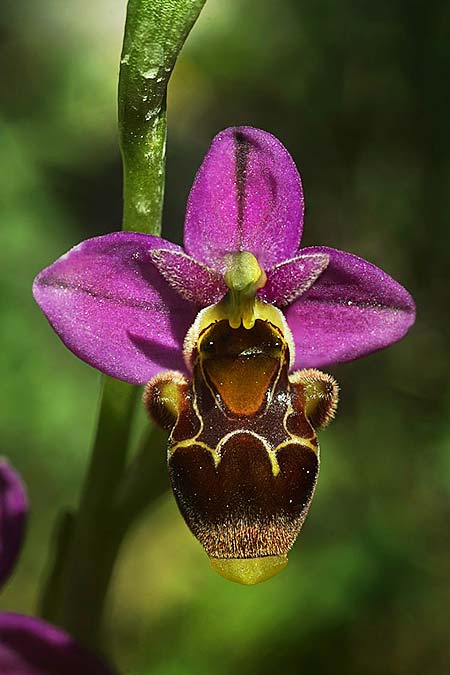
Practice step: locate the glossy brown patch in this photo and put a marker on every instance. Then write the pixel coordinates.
(241, 364)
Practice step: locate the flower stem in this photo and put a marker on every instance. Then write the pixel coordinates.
(97, 533)
(146, 477)
(155, 32)
(114, 494)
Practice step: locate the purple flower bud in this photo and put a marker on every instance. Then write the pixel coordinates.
(30, 646)
(13, 512)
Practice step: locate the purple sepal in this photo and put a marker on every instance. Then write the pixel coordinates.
(353, 309)
(30, 646)
(111, 307)
(194, 281)
(247, 196)
(13, 515)
(291, 278)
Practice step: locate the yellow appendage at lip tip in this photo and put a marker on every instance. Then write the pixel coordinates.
(249, 571)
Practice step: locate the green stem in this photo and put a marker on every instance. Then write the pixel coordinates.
(155, 32)
(51, 592)
(97, 536)
(146, 477)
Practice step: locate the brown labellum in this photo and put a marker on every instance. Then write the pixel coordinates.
(243, 453)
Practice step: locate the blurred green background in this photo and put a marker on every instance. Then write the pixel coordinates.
(358, 92)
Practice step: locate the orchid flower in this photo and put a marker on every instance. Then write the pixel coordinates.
(229, 317)
(31, 646)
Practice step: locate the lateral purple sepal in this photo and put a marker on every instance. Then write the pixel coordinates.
(291, 278)
(352, 309)
(191, 279)
(30, 646)
(247, 196)
(13, 515)
(111, 307)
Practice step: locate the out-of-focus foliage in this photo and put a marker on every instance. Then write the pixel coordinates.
(358, 92)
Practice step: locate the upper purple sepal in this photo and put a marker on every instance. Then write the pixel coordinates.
(13, 514)
(352, 309)
(30, 646)
(247, 196)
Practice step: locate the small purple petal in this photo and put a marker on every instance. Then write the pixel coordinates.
(353, 309)
(288, 280)
(112, 308)
(13, 514)
(30, 646)
(247, 196)
(191, 279)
